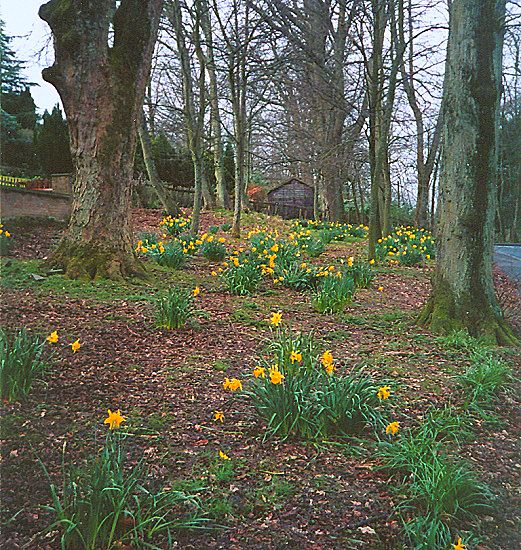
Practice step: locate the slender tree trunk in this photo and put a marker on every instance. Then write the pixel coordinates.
(463, 294)
(381, 115)
(223, 200)
(194, 117)
(102, 88)
(163, 194)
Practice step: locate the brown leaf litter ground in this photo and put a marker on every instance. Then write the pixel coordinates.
(281, 495)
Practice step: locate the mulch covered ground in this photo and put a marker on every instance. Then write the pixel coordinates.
(169, 383)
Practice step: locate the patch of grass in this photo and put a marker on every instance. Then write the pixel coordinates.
(273, 494)
(158, 421)
(221, 366)
(460, 340)
(339, 334)
(18, 274)
(246, 317)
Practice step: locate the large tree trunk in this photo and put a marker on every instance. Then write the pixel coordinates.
(102, 89)
(463, 294)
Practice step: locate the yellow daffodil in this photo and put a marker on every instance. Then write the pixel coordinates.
(214, 274)
(224, 456)
(218, 416)
(459, 545)
(276, 318)
(196, 291)
(350, 261)
(75, 346)
(232, 385)
(327, 358)
(392, 428)
(276, 377)
(259, 372)
(295, 356)
(222, 239)
(53, 337)
(7, 234)
(380, 288)
(371, 261)
(114, 419)
(330, 368)
(384, 392)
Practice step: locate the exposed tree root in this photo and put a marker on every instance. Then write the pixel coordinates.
(95, 261)
(488, 326)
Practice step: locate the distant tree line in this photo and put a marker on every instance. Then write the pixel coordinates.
(31, 144)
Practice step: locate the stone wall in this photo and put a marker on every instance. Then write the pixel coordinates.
(21, 203)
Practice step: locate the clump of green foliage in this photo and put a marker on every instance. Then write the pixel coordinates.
(439, 487)
(486, 376)
(21, 361)
(334, 294)
(241, 276)
(407, 245)
(213, 250)
(298, 394)
(175, 308)
(105, 504)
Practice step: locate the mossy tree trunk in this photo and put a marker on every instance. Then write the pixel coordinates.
(463, 295)
(101, 80)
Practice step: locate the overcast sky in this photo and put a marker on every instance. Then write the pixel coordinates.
(31, 35)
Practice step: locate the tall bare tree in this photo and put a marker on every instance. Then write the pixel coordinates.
(213, 98)
(194, 114)
(101, 78)
(427, 143)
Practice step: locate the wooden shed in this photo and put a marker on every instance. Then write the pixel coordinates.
(291, 199)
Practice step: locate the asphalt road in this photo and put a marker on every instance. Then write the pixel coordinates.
(508, 258)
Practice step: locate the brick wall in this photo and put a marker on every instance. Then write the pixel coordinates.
(19, 203)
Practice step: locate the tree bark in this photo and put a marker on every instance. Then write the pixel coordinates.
(102, 89)
(463, 294)
(163, 194)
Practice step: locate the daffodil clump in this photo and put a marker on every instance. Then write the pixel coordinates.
(296, 391)
(406, 245)
(360, 271)
(6, 240)
(169, 254)
(334, 294)
(175, 226)
(241, 273)
(284, 261)
(333, 231)
(109, 504)
(439, 492)
(213, 248)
